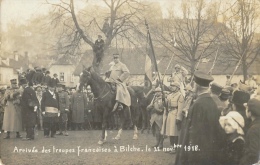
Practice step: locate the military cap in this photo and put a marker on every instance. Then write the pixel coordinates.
(177, 66)
(244, 87)
(2, 89)
(13, 81)
(202, 79)
(216, 88)
(188, 87)
(116, 55)
(240, 97)
(225, 94)
(22, 81)
(175, 84)
(158, 89)
(254, 106)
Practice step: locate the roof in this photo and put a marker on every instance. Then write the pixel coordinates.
(63, 60)
(22, 62)
(135, 61)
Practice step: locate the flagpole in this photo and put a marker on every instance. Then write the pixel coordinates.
(154, 61)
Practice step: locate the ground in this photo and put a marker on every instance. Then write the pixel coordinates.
(15, 151)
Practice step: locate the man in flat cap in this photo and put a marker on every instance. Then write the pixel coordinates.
(215, 91)
(99, 48)
(13, 115)
(117, 74)
(204, 131)
(252, 145)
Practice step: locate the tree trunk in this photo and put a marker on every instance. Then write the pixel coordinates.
(244, 69)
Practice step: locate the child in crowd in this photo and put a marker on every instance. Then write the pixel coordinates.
(232, 124)
(252, 145)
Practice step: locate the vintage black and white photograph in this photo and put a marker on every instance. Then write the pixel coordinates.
(130, 82)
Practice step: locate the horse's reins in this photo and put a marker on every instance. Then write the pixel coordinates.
(95, 98)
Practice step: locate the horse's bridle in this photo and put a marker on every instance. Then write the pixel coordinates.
(96, 98)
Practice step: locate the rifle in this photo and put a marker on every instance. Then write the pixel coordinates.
(214, 62)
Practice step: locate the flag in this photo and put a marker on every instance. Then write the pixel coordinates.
(148, 72)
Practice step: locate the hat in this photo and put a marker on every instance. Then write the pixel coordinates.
(2, 89)
(235, 119)
(177, 66)
(228, 76)
(59, 85)
(244, 87)
(240, 97)
(254, 106)
(100, 36)
(233, 84)
(158, 89)
(51, 84)
(216, 88)
(175, 84)
(47, 72)
(37, 86)
(116, 55)
(55, 74)
(13, 81)
(202, 79)
(225, 94)
(22, 81)
(188, 87)
(44, 69)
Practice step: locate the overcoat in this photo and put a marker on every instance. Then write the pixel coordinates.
(50, 100)
(28, 101)
(13, 115)
(175, 104)
(252, 145)
(79, 104)
(204, 131)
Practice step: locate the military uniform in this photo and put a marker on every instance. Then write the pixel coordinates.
(12, 121)
(156, 107)
(202, 128)
(64, 110)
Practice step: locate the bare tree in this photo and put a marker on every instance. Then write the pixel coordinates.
(191, 36)
(239, 37)
(119, 16)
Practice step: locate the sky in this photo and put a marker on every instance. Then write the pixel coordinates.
(22, 10)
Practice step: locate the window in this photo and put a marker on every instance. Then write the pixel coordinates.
(62, 76)
(71, 78)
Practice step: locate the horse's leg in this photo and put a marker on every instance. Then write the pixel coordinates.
(135, 115)
(122, 122)
(104, 127)
(144, 118)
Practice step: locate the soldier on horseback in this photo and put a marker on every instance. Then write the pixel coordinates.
(117, 74)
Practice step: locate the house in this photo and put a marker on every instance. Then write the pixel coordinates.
(64, 68)
(10, 66)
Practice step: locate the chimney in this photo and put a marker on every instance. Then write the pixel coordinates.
(15, 55)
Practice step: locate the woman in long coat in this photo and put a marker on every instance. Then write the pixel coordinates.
(78, 104)
(13, 114)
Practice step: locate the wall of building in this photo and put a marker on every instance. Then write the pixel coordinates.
(6, 74)
(65, 74)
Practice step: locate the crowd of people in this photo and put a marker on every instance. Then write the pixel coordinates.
(40, 102)
(208, 123)
(205, 122)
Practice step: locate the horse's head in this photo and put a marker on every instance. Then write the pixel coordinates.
(85, 77)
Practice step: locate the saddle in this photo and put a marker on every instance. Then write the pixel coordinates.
(112, 86)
